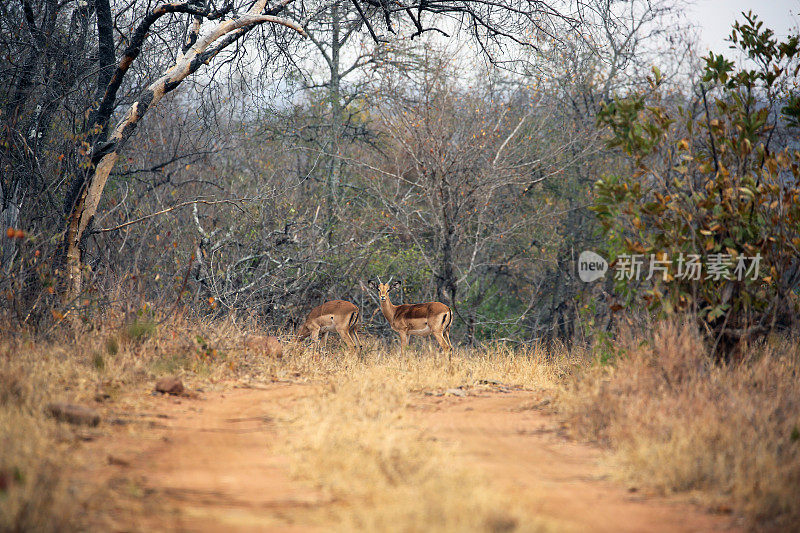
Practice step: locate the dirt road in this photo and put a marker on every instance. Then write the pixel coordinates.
(212, 464)
(519, 447)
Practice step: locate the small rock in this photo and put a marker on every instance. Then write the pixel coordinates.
(10, 477)
(101, 397)
(501, 523)
(455, 392)
(118, 461)
(74, 414)
(169, 385)
(86, 436)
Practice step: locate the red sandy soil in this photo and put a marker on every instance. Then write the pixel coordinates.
(519, 447)
(211, 464)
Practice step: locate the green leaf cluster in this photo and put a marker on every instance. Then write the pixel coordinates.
(717, 173)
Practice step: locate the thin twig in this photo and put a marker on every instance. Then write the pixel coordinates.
(174, 207)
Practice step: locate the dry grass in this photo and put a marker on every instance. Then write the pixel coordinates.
(424, 368)
(105, 369)
(112, 367)
(678, 423)
(357, 440)
(672, 421)
(34, 450)
(33, 494)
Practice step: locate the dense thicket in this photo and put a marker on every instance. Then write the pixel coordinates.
(313, 146)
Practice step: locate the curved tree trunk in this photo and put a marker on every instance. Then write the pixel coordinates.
(106, 154)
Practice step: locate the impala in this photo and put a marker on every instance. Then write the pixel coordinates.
(415, 319)
(336, 315)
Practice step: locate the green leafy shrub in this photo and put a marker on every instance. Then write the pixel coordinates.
(715, 180)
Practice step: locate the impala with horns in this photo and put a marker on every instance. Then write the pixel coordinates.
(336, 315)
(415, 319)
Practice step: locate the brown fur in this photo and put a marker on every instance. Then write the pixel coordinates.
(431, 318)
(337, 315)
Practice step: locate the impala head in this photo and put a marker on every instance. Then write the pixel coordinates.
(384, 288)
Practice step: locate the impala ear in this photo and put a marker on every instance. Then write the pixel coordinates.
(372, 285)
(396, 283)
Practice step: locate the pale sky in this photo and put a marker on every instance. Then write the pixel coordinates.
(714, 19)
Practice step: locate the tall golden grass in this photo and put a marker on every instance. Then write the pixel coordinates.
(677, 422)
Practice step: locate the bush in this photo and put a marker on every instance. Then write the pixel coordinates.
(718, 176)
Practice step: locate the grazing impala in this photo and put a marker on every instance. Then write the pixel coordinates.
(336, 315)
(415, 319)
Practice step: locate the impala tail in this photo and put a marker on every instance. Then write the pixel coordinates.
(447, 319)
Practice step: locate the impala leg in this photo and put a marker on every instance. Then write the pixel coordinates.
(352, 330)
(443, 338)
(440, 340)
(403, 340)
(345, 335)
(357, 339)
(315, 339)
(325, 341)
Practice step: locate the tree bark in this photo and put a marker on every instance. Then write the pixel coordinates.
(106, 154)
